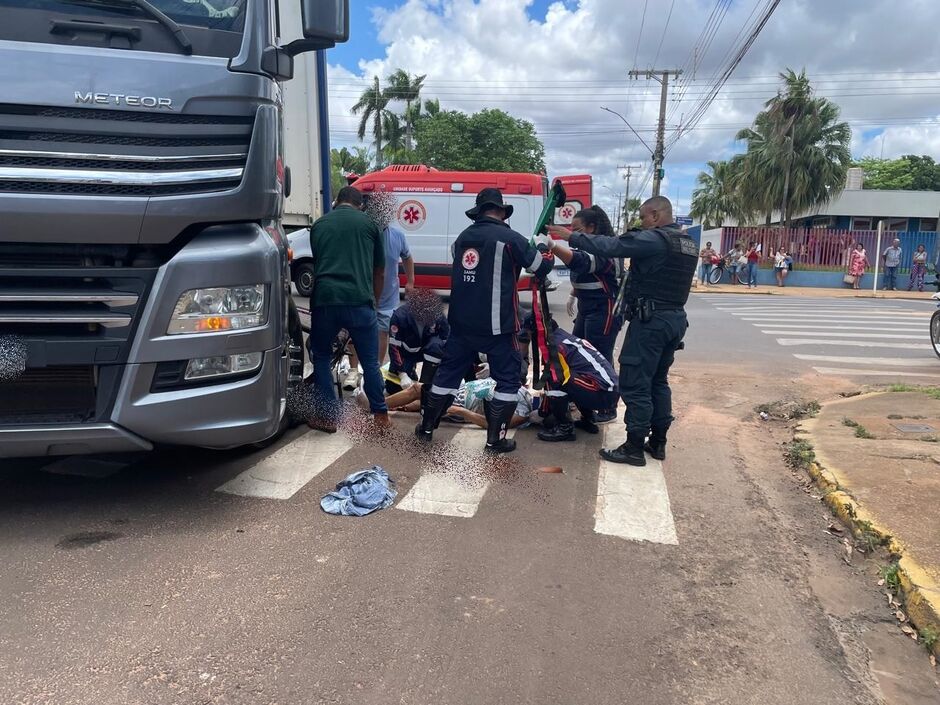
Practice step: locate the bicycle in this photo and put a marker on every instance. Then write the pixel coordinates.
(718, 271)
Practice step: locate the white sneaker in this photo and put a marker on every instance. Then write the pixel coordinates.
(351, 381)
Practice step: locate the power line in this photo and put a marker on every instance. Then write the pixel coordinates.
(663, 38)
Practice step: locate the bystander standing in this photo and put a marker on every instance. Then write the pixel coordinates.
(891, 258)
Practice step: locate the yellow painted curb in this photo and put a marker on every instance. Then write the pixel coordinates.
(921, 592)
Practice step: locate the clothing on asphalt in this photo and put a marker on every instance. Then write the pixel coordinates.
(361, 493)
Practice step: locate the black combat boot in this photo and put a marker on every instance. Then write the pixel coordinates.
(587, 422)
(559, 432)
(433, 407)
(498, 415)
(630, 453)
(656, 445)
(563, 429)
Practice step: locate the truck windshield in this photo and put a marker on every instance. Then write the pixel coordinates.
(226, 15)
(213, 27)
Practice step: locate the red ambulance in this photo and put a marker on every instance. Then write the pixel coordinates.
(431, 208)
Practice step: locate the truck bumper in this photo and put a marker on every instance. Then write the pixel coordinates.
(223, 415)
(30, 441)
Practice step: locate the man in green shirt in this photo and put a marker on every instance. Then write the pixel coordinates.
(349, 272)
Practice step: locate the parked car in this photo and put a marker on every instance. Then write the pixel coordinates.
(301, 266)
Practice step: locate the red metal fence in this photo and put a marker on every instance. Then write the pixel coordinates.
(819, 249)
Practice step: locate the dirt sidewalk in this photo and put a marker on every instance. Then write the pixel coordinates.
(878, 461)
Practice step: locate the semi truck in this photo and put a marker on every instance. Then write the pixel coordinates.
(144, 274)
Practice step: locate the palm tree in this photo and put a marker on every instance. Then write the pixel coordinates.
(394, 137)
(797, 152)
(432, 107)
(716, 197)
(402, 86)
(373, 104)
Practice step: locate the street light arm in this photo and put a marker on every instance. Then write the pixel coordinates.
(642, 141)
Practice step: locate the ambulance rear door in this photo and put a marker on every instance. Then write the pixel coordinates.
(422, 217)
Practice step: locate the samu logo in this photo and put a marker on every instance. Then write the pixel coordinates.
(470, 260)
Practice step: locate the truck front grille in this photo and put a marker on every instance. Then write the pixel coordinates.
(85, 151)
(49, 395)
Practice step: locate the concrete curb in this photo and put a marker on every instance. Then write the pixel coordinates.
(921, 592)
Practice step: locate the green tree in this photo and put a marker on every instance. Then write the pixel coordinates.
(908, 173)
(631, 213)
(343, 162)
(797, 152)
(490, 140)
(716, 197)
(373, 105)
(404, 87)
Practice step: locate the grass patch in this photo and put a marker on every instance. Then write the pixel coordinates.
(870, 538)
(890, 574)
(862, 432)
(846, 421)
(932, 392)
(799, 454)
(902, 388)
(929, 637)
(895, 417)
(929, 439)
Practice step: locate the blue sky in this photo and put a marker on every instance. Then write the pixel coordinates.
(557, 63)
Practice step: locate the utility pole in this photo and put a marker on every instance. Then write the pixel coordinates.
(629, 175)
(661, 75)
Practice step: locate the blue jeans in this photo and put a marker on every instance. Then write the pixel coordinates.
(891, 278)
(752, 273)
(360, 322)
(706, 270)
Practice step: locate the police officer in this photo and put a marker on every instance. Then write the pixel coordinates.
(663, 260)
(484, 317)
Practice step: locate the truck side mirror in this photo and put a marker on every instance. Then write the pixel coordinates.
(326, 20)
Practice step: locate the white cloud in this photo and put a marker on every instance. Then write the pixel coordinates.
(558, 72)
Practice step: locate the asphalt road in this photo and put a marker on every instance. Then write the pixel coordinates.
(706, 580)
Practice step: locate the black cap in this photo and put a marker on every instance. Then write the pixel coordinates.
(489, 197)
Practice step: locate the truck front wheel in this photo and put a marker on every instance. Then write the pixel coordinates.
(294, 350)
(303, 278)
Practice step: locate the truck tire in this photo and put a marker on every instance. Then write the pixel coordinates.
(303, 278)
(295, 380)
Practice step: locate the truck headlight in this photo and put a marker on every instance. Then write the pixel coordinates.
(219, 309)
(205, 367)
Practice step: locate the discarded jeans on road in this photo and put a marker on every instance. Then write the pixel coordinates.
(361, 493)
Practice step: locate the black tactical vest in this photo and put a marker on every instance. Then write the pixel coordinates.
(670, 282)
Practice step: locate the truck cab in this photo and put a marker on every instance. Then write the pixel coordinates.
(144, 288)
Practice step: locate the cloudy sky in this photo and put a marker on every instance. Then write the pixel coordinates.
(556, 62)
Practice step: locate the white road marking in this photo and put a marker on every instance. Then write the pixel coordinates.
(894, 336)
(633, 503)
(442, 491)
(825, 320)
(872, 373)
(859, 327)
(832, 313)
(853, 343)
(889, 361)
(283, 473)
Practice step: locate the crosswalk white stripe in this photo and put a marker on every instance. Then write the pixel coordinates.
(823, 318)
(894, 336)
(872, 373)
(445, 491)
(861, 328)
(633, 503)
(889, 361)
(283, 473)
(834, 312)
(853, 343)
